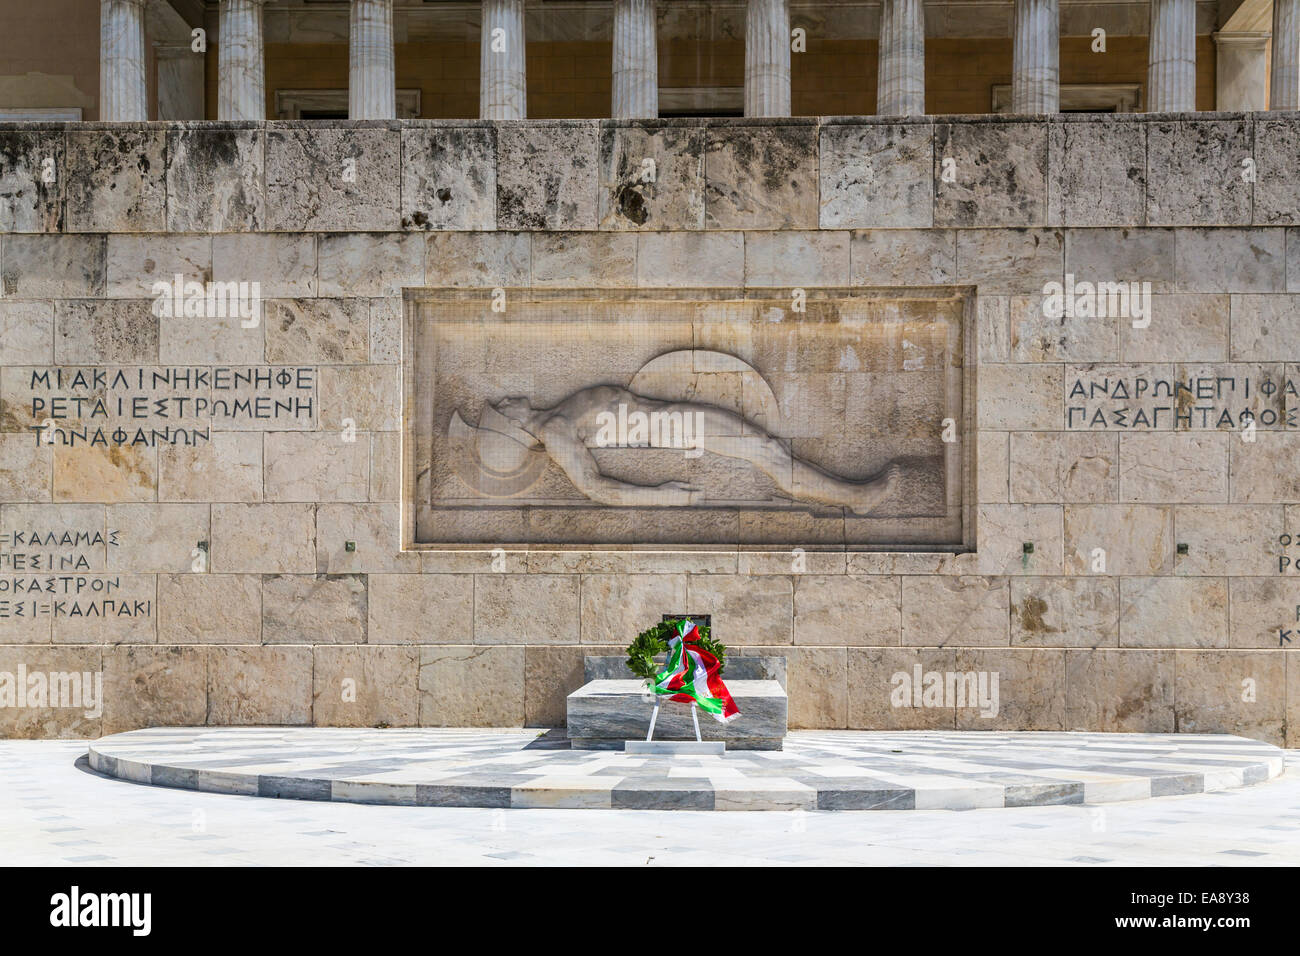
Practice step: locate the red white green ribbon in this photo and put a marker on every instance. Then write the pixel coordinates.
(691, 675)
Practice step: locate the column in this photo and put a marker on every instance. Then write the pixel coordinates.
(1284, 85)
(636, 61)
(241, 81)
(1240, 71)
(1171, 61)
(123, 89)
(1035, 68)
(503, 90)
(900, 78)
(767, 58)
(372, 77)
(180, 82)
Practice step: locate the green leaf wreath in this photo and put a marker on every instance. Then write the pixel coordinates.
(654, 640)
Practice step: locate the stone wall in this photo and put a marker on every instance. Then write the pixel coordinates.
(260, 567)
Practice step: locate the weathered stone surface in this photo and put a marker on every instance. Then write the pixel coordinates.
(885, 257)
(385, 466)
(877, 175)
(375, 532)
(955, 611)
(316, 466)
(617, 607)
(1228, 539)
(1264, 327)
(215, 179)
(283, 265)
(264, 538)
(1031, 688)
(116, 180)
(1194, 169)
(880, 682)
(752, 610)
(1038, 337)
(1263, 471)
(54, 266)
(1184, 328)
(61, 520)
(847, 609)
(449, 178)
(547, 175)
(1004, 532)
(319, 609)
(154, 687)
(796, 259)
(551, 674)
(157, 537)
(31, 181)
(184, 340)
(761, 177)
(49, 721)
(25, 468)
(1122, 255)
(228, 468)
(136, 264)
(369, 264)
(1230, 260)
(992, 459)
(993, 328)
(635, 195)
(365, 686)
(321, 179)
(367, 395)
(1231, 692)
(138, 625)
(259, 685)
(1009, 261)
(1064, 466)
(27, 332)
(115, 473)
(998, 174)
(478, 259)
(317, 330)
(1173, 612)
(420, 608)
(1120, 691)
(89, 332)
(687, 259)
(577, 259)
(471, 686)
(816, 683)
(526, 609)
(1133, 539)
(1175, 466)
(1263, 612)
(1097, 174)
(386, 330)
(1277, 190)
(209, 608)
(1015, 397)
(1064, 612)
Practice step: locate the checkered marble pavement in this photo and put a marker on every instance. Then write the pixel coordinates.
(818, 770)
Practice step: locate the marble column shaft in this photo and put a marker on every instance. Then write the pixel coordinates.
(241, 76)
(900, 76)
(767, 58)
(503, 90)
(1035, 68)
(123, 87)
(372, 74)
(1284, 80)
(1171, 65)
(636, 61)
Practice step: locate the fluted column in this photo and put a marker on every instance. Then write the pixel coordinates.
(503, 90)
(123, 89)
(1171, 62)
(767, 58)
(1284, 82)
(372, 76)
(900, 76)
(241, 78)
(1035, 68)
(636, 61)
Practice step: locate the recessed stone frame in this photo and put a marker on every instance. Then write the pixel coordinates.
(861, 380)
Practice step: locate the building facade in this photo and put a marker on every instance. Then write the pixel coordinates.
(239, 354)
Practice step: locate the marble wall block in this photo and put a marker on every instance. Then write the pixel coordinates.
(550, 675)
(1231, 692)
(25, 468)
(1021, 397)
(746, 610)
(264, 538)
(1133, 539)
(368, 264)
(216, 179)
(1031, 688)
(283, 265)
(880, 699)
(226, 469)
(1097, 174)
(368, 395)
(548, 176)
(478, 259)
(330, 179)
(1228, 539)
(163, 686)
(365, 686)
(1009, 261)
(1173, 612)
(992, 463)
(1195, 172)
(420, 608)
(54, 266)
(876, 176)
(955, 611)
(375, 532)
(1230, 260)
(761, 177)
(998, 174)
(665, 193)
(27, 332)
(816, 683)
(316, 609)
(116, 180)
(137, 263)
(690, 259)
(1065, 612)
(316, 467)
(884, 257)
(1264, 327)
(1174, 466)
(157, 537)
(1263, 471)
(44, 723)
(527, 609)
(328, 331)
(617, 607)
(1005, 530)
(796, 259)
(108, 474)
(1039, 337)
(1277, 189)
(259, 686)
(449, 178)
(31, 181)
(209, 608)
(1122, 255)
(577, 259)
(847, 609)
(1064, 466)
(463, 686)
(1265, 611)
(1184, 328)
(1120, 691)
